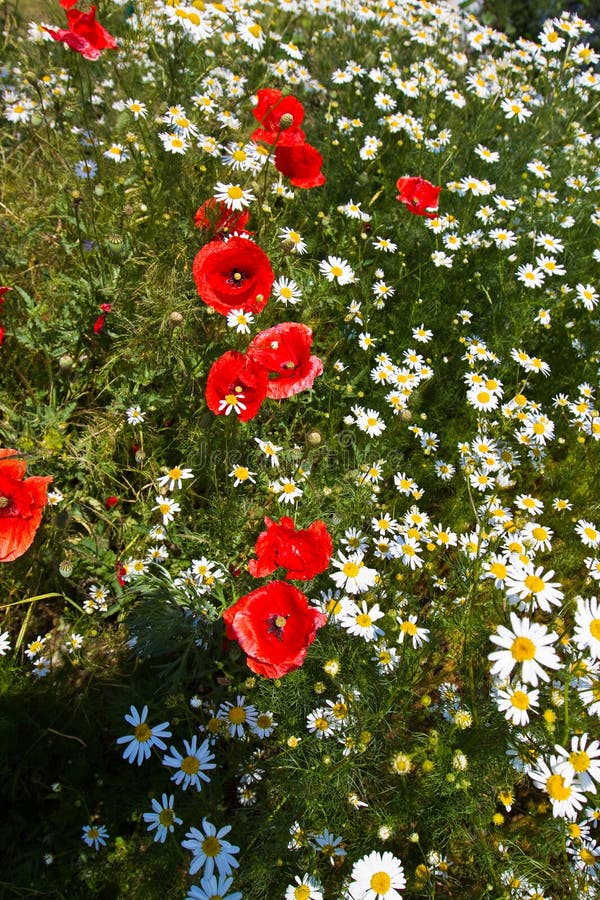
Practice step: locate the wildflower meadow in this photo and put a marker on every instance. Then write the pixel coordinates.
(299, 507)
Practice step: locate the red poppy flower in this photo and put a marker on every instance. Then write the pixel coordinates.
(301, 163)
(110, 502)
(215, 217)
(3, 292)
(84, 35)
(236, 384)
(2, 335)
(269, 110)
(235, 274)
(284, 351)
(274, 626)
(22, 501)
(304, 552)
(419, 196)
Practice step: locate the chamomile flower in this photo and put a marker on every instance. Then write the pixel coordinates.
(213, 887)
(240, 474)
(270, 450)
(233, 196)
(237, 716)
(144, 737)
(528, 645)
(587, 625)
(359, 619)
(162, 819)
(240, 320)
(353, 576)
(191, 767)
(86, 169)
(336, 269)
(377, 876)
(167, 508)
(4, 643)
(209, 849)
(410, 629)
(95, 836)
(306, 888)
(174, 478)
(588, 533)
(529, 588)
(292, 240)
(566, 797)
(516, 701)
(580, 763)
(134, 415)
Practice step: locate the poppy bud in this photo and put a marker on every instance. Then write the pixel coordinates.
(175, 319)
(111, 501)
(66, 568)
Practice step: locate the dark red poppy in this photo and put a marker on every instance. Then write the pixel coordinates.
(2, 335)
(236, 384)
(301, 163)
(419, 196)
(215, 218)
(67, 4)
(22, 502)
(235, 274)
(284, 351)
(304, 552)
(3, 292)
(274, 626)
(84, 35)
(269, 110)
(110, 502)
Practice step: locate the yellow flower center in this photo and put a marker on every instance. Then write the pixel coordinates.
(235, 192)
(302, 892)
(534, 584)
(351, 570)
(595, 629)
(321, 724)
(557, 789)
(587, 857)
(591, 534)
(498, 570)
(364, 620)
(580, 760)
(237, 715)
(336, 271)
(408, 628)
(520, 700)
(539, 533)
(211, 846)
(190, 765)
(166, 817)
(523, 648)
(142, 733)
(380, 882)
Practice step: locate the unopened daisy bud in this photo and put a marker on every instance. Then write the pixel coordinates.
(66, 362)
(414, 837)
(99, 190)
(313, 438)
(175, 319)
(286, 120)
(140, 457)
